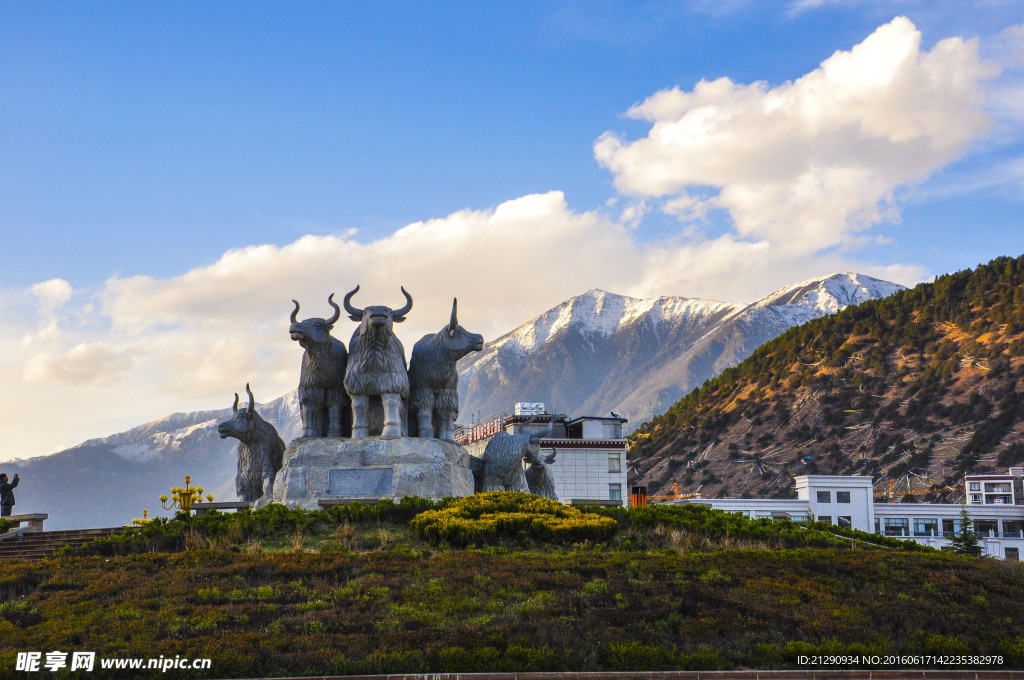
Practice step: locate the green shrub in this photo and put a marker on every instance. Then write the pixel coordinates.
(636, 656)
(487, 517)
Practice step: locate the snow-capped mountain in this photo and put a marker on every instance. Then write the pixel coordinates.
(600, 351)
(593, 353)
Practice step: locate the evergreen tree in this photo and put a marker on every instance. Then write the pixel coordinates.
(966, 542)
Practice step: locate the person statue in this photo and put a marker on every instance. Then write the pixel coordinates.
(7, 495)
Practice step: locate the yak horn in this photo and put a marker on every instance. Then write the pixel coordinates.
(234, 407)
(537, 436)
(454, 322)
(337, 311)
(252, 400)
(295, 312)
(400, 313)
(356, 314)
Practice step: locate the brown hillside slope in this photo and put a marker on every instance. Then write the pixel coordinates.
(918, 388)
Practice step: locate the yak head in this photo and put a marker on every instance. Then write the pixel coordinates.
(460, 342)
(377, 319)
(540, 461)
(315, 331)
(239, 425)
(531, 450)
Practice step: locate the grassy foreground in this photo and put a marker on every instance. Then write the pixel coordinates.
(674, 588)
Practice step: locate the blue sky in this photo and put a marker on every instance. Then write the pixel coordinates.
(159, 162)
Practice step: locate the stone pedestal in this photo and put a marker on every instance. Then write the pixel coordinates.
(317, 468)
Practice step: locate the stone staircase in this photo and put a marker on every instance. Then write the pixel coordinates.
(39, 545)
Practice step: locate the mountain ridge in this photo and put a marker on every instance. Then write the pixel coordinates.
(668, 344)
(917, 389)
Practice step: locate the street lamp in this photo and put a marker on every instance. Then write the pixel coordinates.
(142, 521)
(183, 497)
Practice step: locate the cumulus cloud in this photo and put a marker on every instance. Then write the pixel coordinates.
(84, 364)
(52, 294)
(808, 164)
(487, 258)
(50, 297)
(222, 324)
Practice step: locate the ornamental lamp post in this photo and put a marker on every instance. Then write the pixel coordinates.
(142, 521)
(183, 497)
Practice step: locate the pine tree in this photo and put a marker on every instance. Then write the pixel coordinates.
(966, 542)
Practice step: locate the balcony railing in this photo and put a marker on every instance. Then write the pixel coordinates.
(905, 533)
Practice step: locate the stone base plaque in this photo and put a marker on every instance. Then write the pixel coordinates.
(324, 468)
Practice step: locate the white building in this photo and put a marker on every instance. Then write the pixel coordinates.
(995, 504)
(590, 451)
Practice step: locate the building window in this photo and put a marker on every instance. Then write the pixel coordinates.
(824, 496)
(1013, 554)
(950, 527)
(1013, 528)
(975, 497)
(986, 526)
(615, 492)
(897, 527)
(614, 462)
(827, 519)
(974, 486)
(1001, 487)
(926, 527)
(842, 496)
(844, 521)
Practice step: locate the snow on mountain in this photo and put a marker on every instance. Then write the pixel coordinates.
(600, 351)
(596, 313)
(821, 296)
(164, 443)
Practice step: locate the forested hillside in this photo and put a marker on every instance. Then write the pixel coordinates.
(918, 388)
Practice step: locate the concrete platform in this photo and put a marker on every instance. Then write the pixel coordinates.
(324, 468)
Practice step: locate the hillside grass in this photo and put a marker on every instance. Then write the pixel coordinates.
(357, 589)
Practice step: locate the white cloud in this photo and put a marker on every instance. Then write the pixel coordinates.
(219, 326)
(534, 243)
(806, 165)
(1006, 104)
(52, 294)
(84, 364)
(800, 6)
(50, 297)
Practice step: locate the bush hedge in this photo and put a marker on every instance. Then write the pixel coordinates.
(488, 517)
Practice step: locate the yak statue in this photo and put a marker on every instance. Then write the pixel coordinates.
(260, 450)
(376, 367)
(323, 403)
(503, 459)
(539, 477)
(434, 382)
